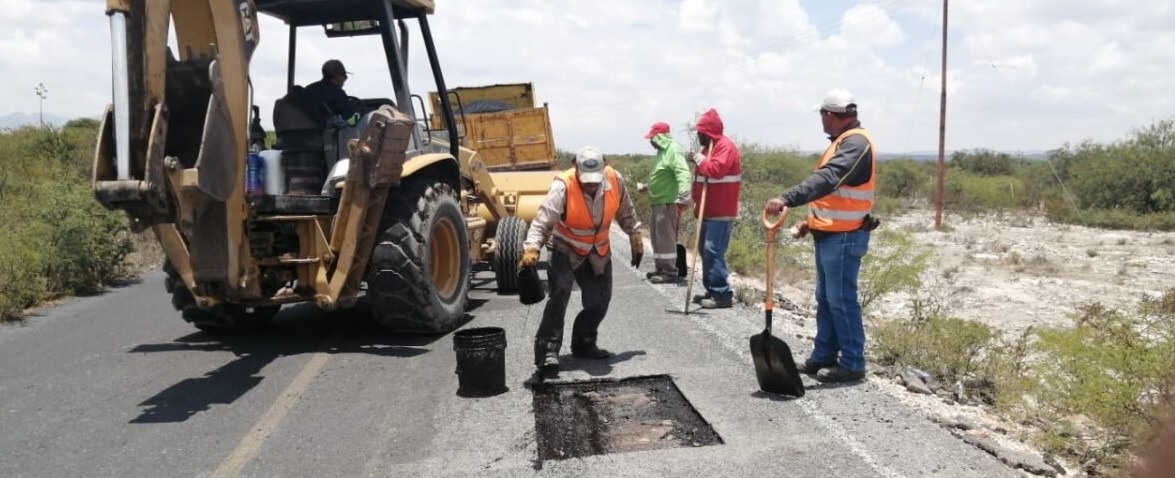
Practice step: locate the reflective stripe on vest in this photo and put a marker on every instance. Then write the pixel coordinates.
(576, 228)
(844, 208)
(725, 179)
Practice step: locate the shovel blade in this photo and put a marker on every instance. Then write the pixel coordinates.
(774, 366)
(681, 265)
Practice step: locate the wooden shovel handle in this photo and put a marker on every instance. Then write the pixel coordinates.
(773, 226)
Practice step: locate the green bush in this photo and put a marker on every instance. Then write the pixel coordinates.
(1107, 379)
(87, 245)
(983, 162)
(894, 264)
(21, 283)
(948, 348)
(971, 193)
(58, 240)
(1097, 389)
(1109, 182)
(904, 178)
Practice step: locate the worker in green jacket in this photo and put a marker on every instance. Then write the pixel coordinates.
(669, 195)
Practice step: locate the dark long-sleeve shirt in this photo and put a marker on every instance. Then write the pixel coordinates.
(851, 164)
(333, 97)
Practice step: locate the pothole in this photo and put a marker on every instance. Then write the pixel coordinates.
(599, 417)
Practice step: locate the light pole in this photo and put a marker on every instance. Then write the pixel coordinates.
(41, 92)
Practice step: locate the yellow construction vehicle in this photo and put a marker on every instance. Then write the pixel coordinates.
(392, 202)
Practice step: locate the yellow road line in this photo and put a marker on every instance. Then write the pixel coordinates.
(251, 443)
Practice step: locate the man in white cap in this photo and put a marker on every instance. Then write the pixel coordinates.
(576, 216)
(839, 195)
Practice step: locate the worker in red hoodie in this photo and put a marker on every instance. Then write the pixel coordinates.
(718, 173)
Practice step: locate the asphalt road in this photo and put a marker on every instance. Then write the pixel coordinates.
(116, 385)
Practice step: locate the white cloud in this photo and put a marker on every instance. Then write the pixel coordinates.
(1022, 75)
(868, 24)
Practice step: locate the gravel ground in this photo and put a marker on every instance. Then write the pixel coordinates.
(1008, 271)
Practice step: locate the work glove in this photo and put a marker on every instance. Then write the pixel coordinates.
(530, 257)
(799, 230)
(638, 248)
(697, 157)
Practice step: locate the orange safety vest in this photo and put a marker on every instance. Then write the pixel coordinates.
(844, 208)
(576, 228)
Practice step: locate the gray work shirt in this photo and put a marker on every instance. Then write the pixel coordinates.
(551, 212)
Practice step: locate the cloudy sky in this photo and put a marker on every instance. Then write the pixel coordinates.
(1023, 75)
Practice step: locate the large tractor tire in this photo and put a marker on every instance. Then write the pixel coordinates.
(510, 236)
(224, 318)
(419, 276)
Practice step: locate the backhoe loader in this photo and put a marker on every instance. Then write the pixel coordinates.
(392, 208)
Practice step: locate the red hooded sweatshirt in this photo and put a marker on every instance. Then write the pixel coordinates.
(722, 168)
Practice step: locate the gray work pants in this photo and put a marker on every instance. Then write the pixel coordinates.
(595, 292)
(664, 236)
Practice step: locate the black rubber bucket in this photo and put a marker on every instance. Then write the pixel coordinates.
(481, 361)
(530, 287)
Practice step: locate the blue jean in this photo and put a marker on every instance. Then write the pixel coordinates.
(839, 329)
(715, 240)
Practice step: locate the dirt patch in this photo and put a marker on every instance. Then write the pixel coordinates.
(1008, 271)
(599, 417)
(1014, 271)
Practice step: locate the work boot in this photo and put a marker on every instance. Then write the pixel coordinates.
(718, 303)
(548, 364)
(700, 297)
(837, 374)
(587, 348)
(812, 368)
(663, 278)
(546, 355)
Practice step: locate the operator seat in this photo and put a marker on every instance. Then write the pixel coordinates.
(299, 128)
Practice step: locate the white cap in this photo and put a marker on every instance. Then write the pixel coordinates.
(839, 101)
(589, 165)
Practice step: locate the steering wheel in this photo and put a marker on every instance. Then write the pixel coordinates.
(357, 105)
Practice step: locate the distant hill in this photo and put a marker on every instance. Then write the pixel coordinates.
(16, 120)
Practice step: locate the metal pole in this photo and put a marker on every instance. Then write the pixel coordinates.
(942, 127)
(41, 91)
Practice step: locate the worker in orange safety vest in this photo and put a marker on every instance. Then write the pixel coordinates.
(575, 219)
(839, 195)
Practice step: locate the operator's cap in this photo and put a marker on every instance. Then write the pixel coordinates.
(838, 101)
(334, 68)
(659, 127)
(589, 165)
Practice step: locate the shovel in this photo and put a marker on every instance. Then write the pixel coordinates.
(689, 289)
(774, 365)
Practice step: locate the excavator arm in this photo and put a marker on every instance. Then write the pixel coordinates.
(172, 146)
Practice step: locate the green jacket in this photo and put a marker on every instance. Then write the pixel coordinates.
(670, 179)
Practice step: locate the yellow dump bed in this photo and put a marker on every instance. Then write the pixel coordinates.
(502, 123)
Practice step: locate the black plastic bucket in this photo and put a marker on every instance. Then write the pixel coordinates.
(481, 361)
(530, 287)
